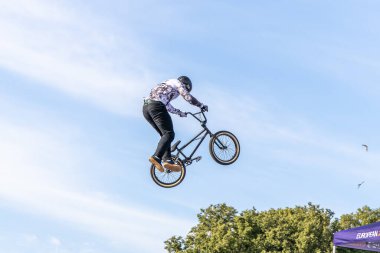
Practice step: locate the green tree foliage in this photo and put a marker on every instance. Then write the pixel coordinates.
(174, 244)
(221, 229)
(363, 216)
(299, 229)
(302, 229)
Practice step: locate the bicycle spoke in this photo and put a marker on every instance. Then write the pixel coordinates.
(167, 178)
(224, 148)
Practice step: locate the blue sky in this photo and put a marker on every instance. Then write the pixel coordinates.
(297, 82)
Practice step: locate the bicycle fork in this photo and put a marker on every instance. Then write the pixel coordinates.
(220, 144)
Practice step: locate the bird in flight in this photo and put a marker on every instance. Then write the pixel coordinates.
(360, 184)
(365, 146)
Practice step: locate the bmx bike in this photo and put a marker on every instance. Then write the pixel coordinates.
(224, 148)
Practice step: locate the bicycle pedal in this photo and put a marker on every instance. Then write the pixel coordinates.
(198, 158)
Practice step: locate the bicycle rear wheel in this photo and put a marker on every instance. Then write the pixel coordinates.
(168, 178)
(224, 147)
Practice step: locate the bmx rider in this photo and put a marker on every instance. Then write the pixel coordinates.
(155, 110)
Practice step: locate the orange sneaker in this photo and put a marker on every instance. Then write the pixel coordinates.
(170, 165)
(156, 162)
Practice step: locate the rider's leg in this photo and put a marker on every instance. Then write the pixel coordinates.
(156, 161)
(159, 118)
(163, 122)
(150, 119)
(167, 155)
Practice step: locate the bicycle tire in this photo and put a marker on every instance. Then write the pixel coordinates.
(230, 151)
(168, 178)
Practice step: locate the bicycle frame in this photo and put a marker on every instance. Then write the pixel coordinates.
(189, 159)
(224, 148)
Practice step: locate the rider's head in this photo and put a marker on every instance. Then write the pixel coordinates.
(186, 81)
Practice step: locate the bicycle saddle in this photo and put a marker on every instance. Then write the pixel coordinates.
(174, 147)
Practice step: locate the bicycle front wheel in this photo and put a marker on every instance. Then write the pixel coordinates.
(168, 178)
(224, 147)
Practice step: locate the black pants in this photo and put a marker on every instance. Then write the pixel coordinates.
(156, 114)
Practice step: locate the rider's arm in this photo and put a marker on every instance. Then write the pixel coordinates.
(188, 97)
(173, 110)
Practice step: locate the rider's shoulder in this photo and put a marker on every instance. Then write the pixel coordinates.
(173, 82)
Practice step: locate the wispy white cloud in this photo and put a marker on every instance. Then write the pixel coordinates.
(74, 52)
(341, 60)
(56, 45)
(31, 238)
(33, 180)
(286, 137)
(55, 241)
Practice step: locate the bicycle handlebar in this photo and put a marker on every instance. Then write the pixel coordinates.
(197, 118)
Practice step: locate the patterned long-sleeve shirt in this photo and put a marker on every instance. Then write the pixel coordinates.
(169, 90)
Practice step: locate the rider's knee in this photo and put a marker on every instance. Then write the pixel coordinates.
(171, 135)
